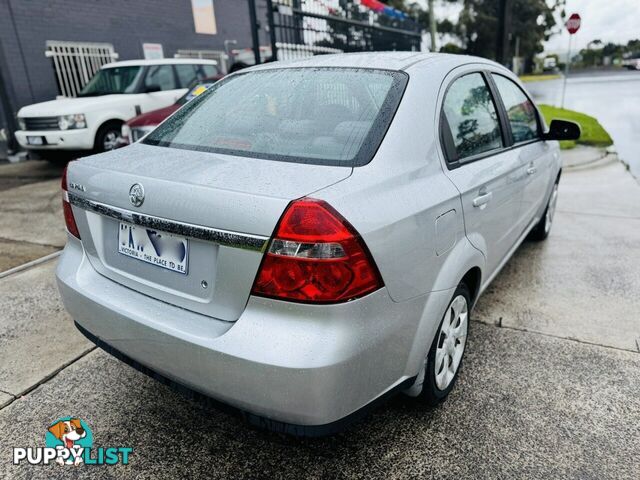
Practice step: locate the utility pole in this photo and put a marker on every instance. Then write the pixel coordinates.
(253, 18)
(432, 26)
(516, 57)
(504, 22)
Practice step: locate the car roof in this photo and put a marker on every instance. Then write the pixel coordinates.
(160, 61)
(381, 60)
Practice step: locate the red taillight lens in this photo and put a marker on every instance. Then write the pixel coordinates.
(316, 256)
(66, 208)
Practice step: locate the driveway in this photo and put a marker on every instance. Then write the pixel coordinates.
(31, 210)
(549, 387)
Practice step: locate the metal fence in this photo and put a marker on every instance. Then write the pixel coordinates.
(303, 28)
(76, 63)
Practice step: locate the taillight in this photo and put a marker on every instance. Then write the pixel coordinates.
(316, 256)
(66, 208)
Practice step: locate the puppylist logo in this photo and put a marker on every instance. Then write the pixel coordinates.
(69, 441)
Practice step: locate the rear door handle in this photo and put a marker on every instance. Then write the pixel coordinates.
(482, 199)
(531, 170)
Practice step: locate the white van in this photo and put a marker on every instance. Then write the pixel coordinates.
(118, 92)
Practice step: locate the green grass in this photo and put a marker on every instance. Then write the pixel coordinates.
(539, 78)
(593, 133)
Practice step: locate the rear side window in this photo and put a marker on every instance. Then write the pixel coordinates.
(186, 74)
(330, 116)
(207, 71)
(160, 76)
(520, 110)
(472, 116)
(189, 75)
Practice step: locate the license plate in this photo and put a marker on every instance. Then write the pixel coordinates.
(158, 248)
(35, 140)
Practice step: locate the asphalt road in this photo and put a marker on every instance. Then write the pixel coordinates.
(24, 173)
(611, 97)
(549, 387)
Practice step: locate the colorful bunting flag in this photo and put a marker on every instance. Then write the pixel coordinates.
(379, 7)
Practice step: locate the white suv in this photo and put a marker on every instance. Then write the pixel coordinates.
(118, 92)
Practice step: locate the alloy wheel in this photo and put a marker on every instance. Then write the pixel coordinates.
(110, 140)
(551, 209)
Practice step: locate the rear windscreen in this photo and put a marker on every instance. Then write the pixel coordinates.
(330, 116)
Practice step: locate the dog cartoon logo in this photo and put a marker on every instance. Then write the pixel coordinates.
(70, 436)
(69, 441)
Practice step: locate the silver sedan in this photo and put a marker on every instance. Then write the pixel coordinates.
(306, 238)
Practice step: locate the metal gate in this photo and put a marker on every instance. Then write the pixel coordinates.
(76, 63)
(303, 28)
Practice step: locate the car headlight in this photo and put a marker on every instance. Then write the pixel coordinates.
(68, 122)
(22, 124)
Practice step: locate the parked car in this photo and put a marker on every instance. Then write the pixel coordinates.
(118, 92)
(308, 238)
(631, 63)
(136, 128)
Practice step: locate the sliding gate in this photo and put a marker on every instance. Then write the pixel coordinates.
(303, 28)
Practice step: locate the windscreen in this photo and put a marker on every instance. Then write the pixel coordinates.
(112, 80)
(332, 116)
(199, 89)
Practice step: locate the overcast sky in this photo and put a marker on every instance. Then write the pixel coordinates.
(616, 21)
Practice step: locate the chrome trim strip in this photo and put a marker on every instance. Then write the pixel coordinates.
(221, 237)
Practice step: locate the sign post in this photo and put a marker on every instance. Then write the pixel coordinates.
(573, 25)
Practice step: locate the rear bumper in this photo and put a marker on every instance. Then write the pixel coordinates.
(292, 363)
(81, 139)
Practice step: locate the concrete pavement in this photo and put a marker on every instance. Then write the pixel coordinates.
(37, 337)
(15, 174)
(581, 283)
(557, 400)
(526, 406)
(31, 209)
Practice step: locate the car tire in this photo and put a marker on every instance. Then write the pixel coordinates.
(107, 136)
(542, 229)
(447, 349)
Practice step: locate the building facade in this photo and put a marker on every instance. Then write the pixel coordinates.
(31, 28)
(53, 47)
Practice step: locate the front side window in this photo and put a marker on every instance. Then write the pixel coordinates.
(160, 77)
(330, 116)
(187, 75)
(520, 110)
(207, 71)
(472, 116)
(190, 74)
(113, 80)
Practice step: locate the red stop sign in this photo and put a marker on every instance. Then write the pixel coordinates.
(573, 24)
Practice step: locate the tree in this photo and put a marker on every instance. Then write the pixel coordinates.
(531, 20)
(451, 48)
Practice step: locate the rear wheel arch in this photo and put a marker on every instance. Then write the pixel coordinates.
(113, 124)
(473, 279)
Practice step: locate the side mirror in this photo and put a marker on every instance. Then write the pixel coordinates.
(562, 130)
(152, 88)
